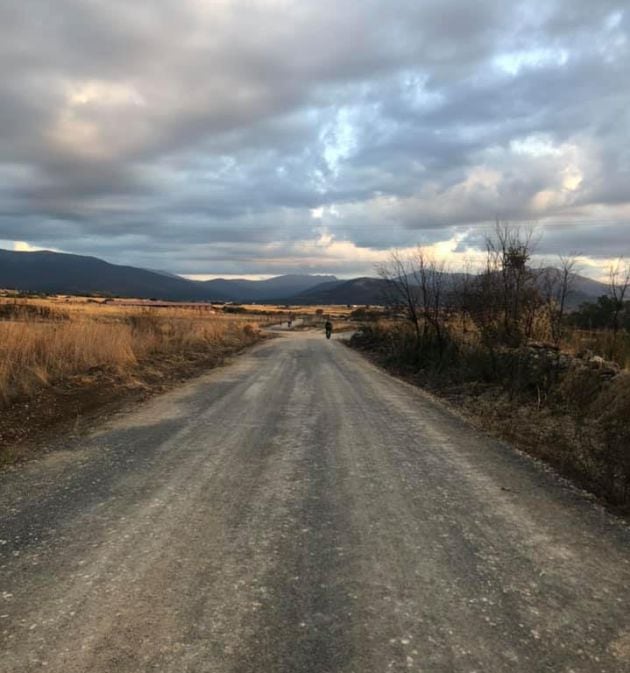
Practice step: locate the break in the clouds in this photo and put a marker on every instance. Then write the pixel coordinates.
(266, 136)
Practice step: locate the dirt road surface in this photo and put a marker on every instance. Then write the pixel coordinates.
(299, 511)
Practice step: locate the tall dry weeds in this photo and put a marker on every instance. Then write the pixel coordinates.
(36, 352)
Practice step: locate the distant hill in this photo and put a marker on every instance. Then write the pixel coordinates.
(582, 288)
(368, 290)
(264, 290)
(362, 291)
(161, 272)
(61, 273)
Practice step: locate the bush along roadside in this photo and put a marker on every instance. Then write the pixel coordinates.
(570, 411)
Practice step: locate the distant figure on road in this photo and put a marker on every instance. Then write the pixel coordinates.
(328, 327)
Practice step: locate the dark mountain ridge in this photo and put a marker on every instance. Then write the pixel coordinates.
(364, 290)
(265, 290)
(62, 273)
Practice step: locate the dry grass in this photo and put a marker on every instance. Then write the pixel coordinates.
(576, 417)
(601, 342)
(43, 342)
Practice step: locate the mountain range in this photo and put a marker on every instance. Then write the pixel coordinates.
(62, 273)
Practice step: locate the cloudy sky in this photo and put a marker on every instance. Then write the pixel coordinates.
(271, 136)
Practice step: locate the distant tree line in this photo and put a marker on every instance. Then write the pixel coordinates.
(601, 315)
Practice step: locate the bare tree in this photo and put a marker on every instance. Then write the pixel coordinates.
(556, 285)
(485, 299)
(429, 275)
(398, 272)
(416, 281)
(508, 274)
(618, 283)
(462, 291)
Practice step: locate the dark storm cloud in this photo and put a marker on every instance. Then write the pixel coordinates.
(264, 135)
(599, 239)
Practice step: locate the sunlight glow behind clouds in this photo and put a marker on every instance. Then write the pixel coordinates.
(272, 135)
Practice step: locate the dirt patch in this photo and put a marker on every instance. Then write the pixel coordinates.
(72, 405)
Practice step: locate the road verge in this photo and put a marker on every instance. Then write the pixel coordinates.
(72, 404)
(580, 426)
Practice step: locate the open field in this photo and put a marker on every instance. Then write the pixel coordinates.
(60, 360)
(42, 342)
(65, 358)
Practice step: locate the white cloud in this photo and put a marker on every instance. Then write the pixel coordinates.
(222, 137)
(514, 62)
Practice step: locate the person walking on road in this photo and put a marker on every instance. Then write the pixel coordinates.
(329, 328)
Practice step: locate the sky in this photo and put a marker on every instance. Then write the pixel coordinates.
(260, 137)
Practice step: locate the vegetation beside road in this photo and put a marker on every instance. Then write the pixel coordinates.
(61, 360)
(502, 348)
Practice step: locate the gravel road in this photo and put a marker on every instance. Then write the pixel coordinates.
(299, 511)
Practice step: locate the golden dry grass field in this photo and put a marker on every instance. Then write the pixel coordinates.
(45, 340)
(66, 359)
